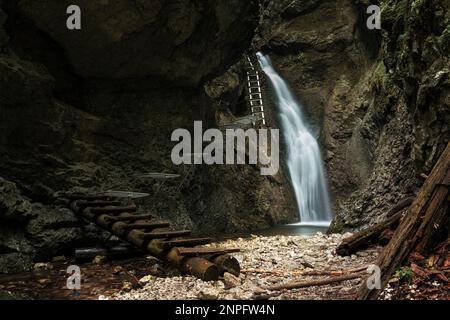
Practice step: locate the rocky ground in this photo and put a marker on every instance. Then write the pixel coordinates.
(265, 260)
(283, 257)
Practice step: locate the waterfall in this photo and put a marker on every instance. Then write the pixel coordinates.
(304, 160)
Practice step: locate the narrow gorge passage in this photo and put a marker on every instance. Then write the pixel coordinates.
(135, 139)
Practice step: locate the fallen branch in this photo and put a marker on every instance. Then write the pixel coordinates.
(370, 235)
(305, 273)
(320, 282)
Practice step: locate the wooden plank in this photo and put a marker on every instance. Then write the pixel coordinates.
(185, 242)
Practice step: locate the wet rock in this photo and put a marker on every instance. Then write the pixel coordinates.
(42, 266)
(299, 7)
(12, 205)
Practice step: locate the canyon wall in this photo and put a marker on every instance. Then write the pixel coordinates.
(378, 99)
(86, 110)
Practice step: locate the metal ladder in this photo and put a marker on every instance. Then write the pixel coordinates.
(255, 93)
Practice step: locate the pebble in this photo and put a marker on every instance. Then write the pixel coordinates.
(283, 254)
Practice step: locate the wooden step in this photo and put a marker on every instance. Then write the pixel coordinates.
(205, 251)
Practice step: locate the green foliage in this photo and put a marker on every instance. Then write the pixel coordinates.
(417, 5)
(404, 274)
(301, 57)
(380, 76)
(393, 10)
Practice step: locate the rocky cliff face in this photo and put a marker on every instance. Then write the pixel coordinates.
(86, 110)
(379, 99)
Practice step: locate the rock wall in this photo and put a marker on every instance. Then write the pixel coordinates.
(378, 99)
(86, 110)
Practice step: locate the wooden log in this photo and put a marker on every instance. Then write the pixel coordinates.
(201, 268)
(205, 251)
(424, 215)
(365, 237)
(197, 266)
(305, 273)
(159, 244)
(227, 263)
(169, 244)
(373, 234)
(319, 282)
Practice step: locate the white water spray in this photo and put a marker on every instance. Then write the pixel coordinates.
(303, 155)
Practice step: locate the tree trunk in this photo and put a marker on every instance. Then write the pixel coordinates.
(427, 216)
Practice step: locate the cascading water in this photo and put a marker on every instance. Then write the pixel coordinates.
(304, 161)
